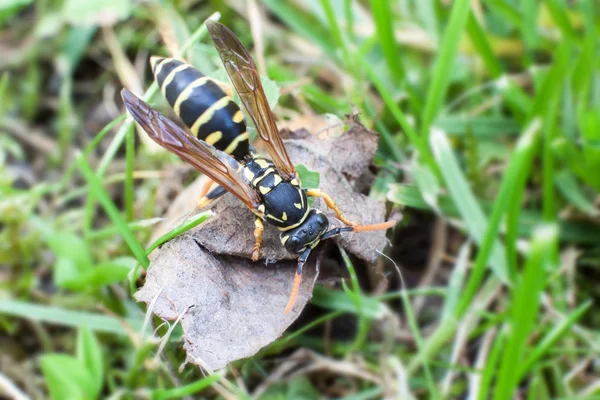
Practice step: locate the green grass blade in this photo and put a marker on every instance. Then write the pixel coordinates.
(515, 177)
(529, 26)
(304, 24)
(186, 390)
(444, 64)
(559, 14)
(188, 224)
(3, 89)
(491, 367)
(517, 172)
(482, 45)
(465, 201)
(506, 11)
(129, 169)
(426, 9)
(383, 15)
(336, 31)
(572, 191)
(60, 316)
(98, 191)
(402, 120)
(552, 337)
(524, 308)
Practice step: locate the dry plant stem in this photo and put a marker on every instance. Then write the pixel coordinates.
(438, 247)
(343, 368)
(36, 138)
(578, 370)
(471, 321)
(124, 68)
(239, 379)
(12, 390)
(132, 333)
(166, 29)
(278, 374)
(482, 358)
(391, 324)
(255, 19)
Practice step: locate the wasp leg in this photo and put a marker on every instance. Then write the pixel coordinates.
(331, 204)
(212, 195)
(258, 233)
(297, 280)
(206, 187)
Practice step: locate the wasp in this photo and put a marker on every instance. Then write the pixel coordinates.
(217, 144)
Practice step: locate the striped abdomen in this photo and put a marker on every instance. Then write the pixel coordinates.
(202, 105)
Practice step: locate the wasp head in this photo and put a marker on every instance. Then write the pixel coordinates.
(307, 234)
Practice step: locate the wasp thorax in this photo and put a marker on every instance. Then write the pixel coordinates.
(307, 234)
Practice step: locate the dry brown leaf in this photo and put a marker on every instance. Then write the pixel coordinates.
(237, 305)
(234, 306)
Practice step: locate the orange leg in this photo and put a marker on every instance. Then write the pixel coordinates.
(206, 187)
(297, 280)
(294, 293)
(203, 192)
(357, 228)
(258, 233)
(331, 204)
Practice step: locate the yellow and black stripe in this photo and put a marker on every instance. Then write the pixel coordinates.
(202, 105)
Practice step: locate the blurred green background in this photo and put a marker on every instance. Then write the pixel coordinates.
(489, 117)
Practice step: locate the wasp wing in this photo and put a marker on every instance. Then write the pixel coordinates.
(219, 166)
(245, 78)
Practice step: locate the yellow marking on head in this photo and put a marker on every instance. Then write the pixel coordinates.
(209, 112)
(185, 94)
(159, 64)
(239, 138)
(238, 117)
(284, 239)
(248, 174)
(284, 216)
(264, 190)
(277, 180)
(171, 76)
(214, 137)
(261, 208)
(298, 206)
(275, 218)
(294, 182)
(261, 163)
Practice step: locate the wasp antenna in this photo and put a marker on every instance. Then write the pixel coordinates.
(374, 227)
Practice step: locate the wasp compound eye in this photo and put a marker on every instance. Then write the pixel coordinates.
(292, 243)
(322, 221)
